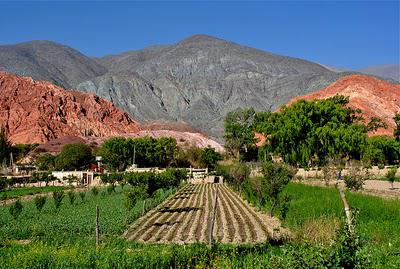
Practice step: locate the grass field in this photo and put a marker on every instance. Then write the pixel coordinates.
(18, 192)
(65, 238)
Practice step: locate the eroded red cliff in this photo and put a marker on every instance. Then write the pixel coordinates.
(38, 111)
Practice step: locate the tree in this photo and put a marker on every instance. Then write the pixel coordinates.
(391, 175)
(239, 172)
(397, 130)
(209, 157)
(4, 144)
(45, 162)
(276, 177)
(381, 150)
(74, 156)
(239, 132)
(312, 132)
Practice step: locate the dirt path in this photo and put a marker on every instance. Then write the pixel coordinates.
(379, 188)
(184, 218)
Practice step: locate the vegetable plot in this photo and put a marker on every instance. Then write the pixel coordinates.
(186, 217)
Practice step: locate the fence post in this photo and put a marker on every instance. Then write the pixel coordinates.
(97, 227)
(211, 224)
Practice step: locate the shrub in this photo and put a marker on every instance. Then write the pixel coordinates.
(95, 191)
(71, 197)
(82, 194)
(16, 209)
(381, 166)
(356, 177)
(391, 175)
(135, 194)
(58, 196)
(39, 202)
(239, 172)
(276, 177)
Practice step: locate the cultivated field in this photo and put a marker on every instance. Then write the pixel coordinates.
(185, 218)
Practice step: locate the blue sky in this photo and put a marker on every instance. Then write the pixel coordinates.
(347, 34)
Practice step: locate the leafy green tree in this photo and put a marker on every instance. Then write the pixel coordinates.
(45, 162)
(239, 132)
(74, 156)
(381, 150)
(276, 177)
(209, 157)
(16, 209)
(311, 132)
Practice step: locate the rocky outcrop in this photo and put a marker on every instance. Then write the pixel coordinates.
(38, 111)
(376, 98)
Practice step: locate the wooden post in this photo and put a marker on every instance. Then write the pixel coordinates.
(97, 227)
(144, 206)
(346, 209)
(211, 224)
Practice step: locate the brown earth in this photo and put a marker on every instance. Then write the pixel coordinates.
(184, 218)
(38, 111)
(376, 98)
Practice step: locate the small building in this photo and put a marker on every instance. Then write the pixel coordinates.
(83, 177)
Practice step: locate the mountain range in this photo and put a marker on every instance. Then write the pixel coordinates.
(196, 81)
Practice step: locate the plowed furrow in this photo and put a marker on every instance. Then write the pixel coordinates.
(175, 232)
(201, 231)
(263, 229)
(231, 227)
(256, 229)
(143, 227)
(191, 227)
(159, 227)
(243, 229)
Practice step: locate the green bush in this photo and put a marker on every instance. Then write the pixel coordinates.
(58, 196)
(82, 194)
(391, 175)
(39, 202)
(71, 197)
(135, 194)
(276, 177)
(16, 209)
(95, 191)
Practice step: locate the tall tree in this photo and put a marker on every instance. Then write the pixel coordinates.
(4, 144)
(397, 130)
(310, 132)
(239, 131)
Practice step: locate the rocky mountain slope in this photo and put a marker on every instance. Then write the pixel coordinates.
(196, 81)
(45, 60)
(201, 78)
(376, 98)
(38, 111)
(41, 112)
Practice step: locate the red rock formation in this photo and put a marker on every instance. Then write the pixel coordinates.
(38, 111)
(376, 98)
